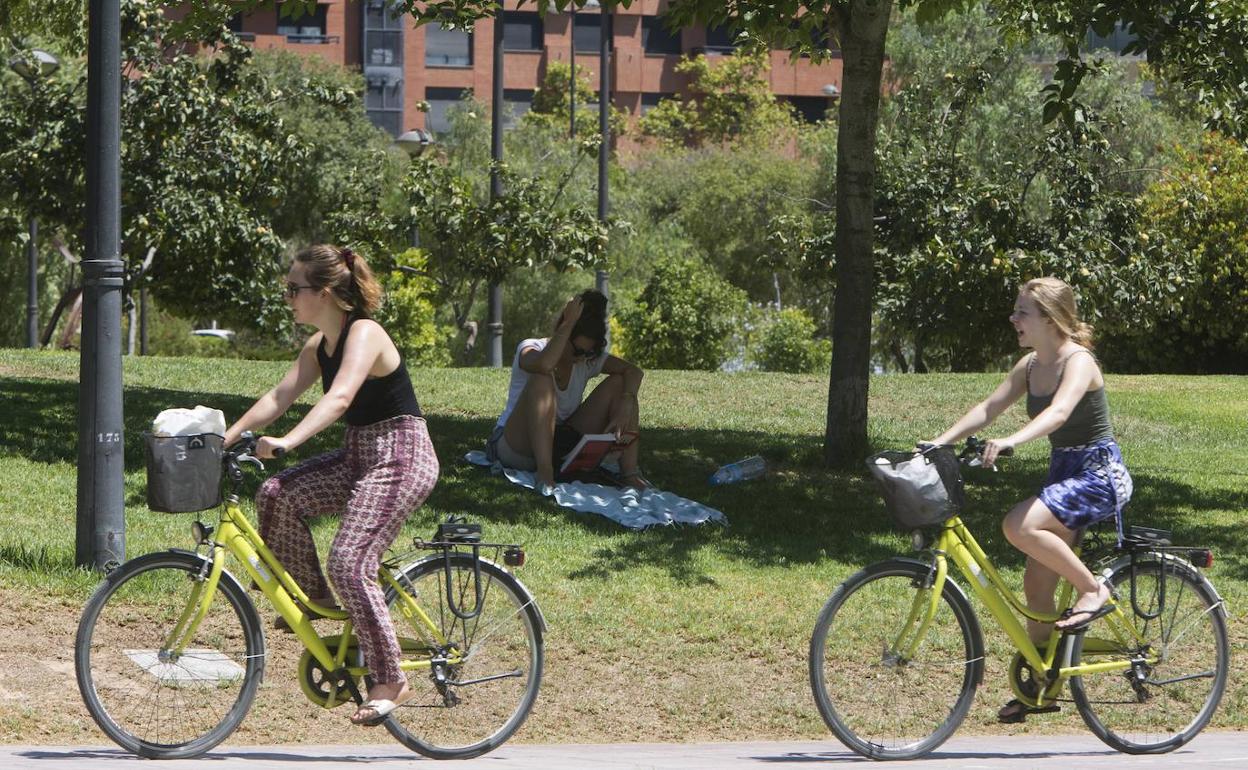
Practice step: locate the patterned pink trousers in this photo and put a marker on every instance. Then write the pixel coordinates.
(383, 472)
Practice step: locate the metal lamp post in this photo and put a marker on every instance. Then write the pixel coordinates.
(414, 143)
(101, 534)
(607, 39)
(572, 64)
(32, 68)
(494, 323)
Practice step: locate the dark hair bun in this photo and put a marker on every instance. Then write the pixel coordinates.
(593, 320)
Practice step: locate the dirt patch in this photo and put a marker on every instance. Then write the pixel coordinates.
(646, 695)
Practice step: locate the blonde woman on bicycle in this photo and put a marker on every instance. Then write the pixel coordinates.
(385, 469)
(1087, 482)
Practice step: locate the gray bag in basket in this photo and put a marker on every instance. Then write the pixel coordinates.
(920, 489)
(183, 472)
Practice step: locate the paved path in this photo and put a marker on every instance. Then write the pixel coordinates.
(1212, 750)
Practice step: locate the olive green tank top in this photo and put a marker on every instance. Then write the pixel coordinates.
(1089, 420)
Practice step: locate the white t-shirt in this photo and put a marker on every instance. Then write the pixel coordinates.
(567, 400)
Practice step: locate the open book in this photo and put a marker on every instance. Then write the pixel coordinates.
(592, 449)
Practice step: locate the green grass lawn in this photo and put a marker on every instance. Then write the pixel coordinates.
(693, 633)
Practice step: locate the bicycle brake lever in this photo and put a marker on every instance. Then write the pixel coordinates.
(256, 461)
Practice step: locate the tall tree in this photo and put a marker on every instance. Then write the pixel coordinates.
(1198, 43)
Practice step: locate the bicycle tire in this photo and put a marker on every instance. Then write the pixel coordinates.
(151, 704)
(878, 704)
(1143, 716)
(505, 638)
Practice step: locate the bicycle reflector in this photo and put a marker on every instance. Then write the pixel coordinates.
(513, 556)
(1201, 557)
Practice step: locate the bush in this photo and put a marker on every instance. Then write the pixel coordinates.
(684, 318)
(409, 314)
(787, 343)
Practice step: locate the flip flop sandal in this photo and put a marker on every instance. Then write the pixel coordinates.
(1015, 711)
(1092, 615)
(383, 709)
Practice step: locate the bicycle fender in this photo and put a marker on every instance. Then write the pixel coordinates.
(225, 573)
(541, 619)
(1123, 563)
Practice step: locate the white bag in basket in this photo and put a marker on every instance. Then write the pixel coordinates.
(189, 422)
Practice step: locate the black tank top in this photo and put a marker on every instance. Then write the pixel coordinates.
(379, 398)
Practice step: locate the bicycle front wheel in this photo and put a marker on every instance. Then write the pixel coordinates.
(157, 693)
(474, 703)
(888, 687)
(1179, 661)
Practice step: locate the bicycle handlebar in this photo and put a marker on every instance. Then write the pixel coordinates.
(971, 451)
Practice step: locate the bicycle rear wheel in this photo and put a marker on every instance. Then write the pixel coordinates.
(155, 701)
(466, 709)
(877, 696)
(1153, 708)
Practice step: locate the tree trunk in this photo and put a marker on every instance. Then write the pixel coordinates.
(863, 30)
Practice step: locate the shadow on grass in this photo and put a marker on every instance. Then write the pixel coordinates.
(800, 513)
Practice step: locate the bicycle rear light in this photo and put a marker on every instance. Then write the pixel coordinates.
(1201, 557)
(514, 556)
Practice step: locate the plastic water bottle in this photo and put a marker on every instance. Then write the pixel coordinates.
(749, 468)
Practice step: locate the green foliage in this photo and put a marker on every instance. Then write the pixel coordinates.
(552, 102)
(728, 98)
(786, 343)
(409, 313)
(977, 195)
(1189, 320)
(684, 318)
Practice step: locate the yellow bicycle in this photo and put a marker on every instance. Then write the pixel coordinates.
(897, 651)
(170, 649)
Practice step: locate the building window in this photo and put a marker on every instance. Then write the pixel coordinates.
(656, 38)
(309, 28)
(720, 40)
(1116, 41)
(446, 47)
(650, 101)
(516, 103)
(587, 32)
(810, 109)
(378, 16)
(234, 23)
(522, 31)
(440, 101)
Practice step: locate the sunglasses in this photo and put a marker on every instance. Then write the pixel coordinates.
(580, 353)
(292, 290)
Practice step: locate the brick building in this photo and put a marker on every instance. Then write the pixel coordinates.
(404, 65)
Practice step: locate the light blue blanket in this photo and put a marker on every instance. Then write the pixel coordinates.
(628, 507)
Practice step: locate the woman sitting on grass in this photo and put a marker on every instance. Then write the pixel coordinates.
(1087, 480)
(545, 415)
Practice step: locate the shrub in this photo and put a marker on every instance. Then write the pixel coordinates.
(409, 313)
(683, 319)
(787, 343)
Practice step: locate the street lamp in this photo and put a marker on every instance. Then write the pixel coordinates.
(414, 143)
(32, 67)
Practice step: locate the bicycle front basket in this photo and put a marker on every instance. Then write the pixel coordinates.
(183, 472)
(920, 489)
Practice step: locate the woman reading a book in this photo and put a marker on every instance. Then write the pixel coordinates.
(547, 412)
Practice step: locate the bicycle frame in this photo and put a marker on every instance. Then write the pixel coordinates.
(955, 543)
(236, 536)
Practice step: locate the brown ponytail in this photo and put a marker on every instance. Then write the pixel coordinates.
(345, 274)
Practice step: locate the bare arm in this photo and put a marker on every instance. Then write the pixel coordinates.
(303, 372)
(1077, 377)
(362, 349)
(624, 414)
(985, 412)
(543, 361)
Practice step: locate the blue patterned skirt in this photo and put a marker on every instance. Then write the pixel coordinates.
(1087, 484)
